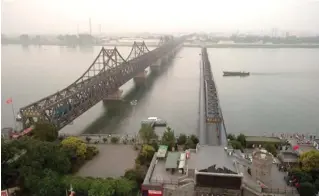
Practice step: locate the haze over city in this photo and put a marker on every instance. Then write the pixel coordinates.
(71, 16)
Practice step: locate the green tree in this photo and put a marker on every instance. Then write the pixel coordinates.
(307, 189)
(146, 155)
(242, 139)
(45, 132)
(76, 144)
(37, 161)
(147, 133)
(101, 188)
(137, 175)
(182, 139)
(124, 187)
(168, 138)
(231, 137)
(236, 144)
(190, 144)
(195, 139)
(271, 148)
(310, 160)
(49, 185)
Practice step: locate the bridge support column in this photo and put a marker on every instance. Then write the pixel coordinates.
(114, 100)
(164, 59)
(156, 67)
(140, 79)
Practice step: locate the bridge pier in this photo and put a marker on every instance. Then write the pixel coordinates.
(114, 100)
(156, 67)
(140, 79)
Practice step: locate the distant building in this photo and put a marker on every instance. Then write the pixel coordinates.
(260, 140)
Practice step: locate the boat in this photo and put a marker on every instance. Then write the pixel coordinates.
(235, 73)
(18, 117)
(134, 102)
(154, 122)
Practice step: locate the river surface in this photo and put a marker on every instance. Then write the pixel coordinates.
(281, 95)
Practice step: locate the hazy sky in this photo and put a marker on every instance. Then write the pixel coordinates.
(63, 16)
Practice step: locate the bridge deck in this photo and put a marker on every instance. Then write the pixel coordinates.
(212, 129)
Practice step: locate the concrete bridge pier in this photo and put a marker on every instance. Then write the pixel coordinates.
(165, 59)
(114, 100)
(140, 79)
(156, 67)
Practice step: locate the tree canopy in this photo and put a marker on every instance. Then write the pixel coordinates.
(45, 132)
(307, 189)
(231, 137)
(242, 139)
(310, 160)
(76, 144)
(146, 154)
(147, 133)
(182, 139)
(168, 138)
(38, 161)
(96, 187)
(236, 144)
(271, 148)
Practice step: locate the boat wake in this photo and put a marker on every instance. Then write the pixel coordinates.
(267, 74)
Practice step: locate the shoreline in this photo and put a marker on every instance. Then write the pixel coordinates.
(184, 45)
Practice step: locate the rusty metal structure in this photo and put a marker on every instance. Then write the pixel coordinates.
(107, 73)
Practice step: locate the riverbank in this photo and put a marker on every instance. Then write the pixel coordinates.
(190, 45)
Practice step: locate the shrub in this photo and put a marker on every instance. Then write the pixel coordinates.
(104, 139)
(114, 140)
(88, 139)
(91, 152)
(181, 139)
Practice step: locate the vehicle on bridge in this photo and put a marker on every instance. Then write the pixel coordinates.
(234, 73)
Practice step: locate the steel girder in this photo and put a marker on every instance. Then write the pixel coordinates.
(137, 50)
(211, 97)
(107, 73)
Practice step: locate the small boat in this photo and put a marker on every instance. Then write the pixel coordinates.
(134, 102)
(154, 121)
(18, 118)
(234, 73)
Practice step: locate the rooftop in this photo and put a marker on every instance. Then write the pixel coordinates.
(210, 157)
(160, 174)
(262, 139)
(213, 159)
(288, 157)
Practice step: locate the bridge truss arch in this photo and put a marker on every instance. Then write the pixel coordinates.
(105, 75)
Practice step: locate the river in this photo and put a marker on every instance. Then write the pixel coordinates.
(281, 95)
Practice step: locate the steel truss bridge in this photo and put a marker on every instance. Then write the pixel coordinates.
(214, 130)
(109, 71)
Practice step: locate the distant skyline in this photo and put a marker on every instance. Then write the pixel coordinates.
(165, 16)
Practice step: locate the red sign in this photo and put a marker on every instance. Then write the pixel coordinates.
(154, 193)
(4, 193)
(188, 153)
